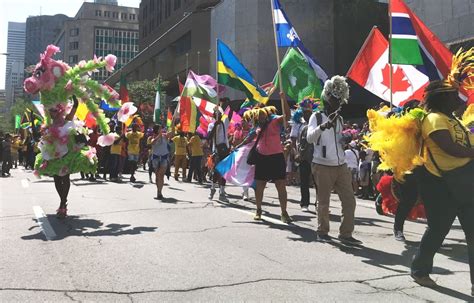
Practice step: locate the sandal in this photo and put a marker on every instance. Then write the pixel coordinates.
(258, 214)
(61, 213)
(285, 217)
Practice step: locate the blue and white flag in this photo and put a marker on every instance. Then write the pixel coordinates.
(287, 37)
(286, 34)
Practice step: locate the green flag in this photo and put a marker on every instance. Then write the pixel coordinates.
(17, 121)
(299, 79)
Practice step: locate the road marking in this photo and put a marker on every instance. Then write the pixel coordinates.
(24, 183)
(43, 223)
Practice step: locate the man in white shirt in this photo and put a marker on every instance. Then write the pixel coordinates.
(329, 164)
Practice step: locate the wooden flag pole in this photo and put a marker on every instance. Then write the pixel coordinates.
(217, 76)
(280, 82)
(390, 53)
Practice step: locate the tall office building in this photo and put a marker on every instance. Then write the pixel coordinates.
(40, 32)
(100, 29)
(15, 61)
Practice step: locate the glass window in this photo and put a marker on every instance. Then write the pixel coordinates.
(98, 13)
(167, 8)
(73, 59)
(123, 16)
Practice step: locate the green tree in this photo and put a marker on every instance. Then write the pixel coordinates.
(7, 122)
(142, 94)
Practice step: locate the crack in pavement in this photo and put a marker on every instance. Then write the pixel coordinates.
(270, 259)
(184, 290)
(70, 297)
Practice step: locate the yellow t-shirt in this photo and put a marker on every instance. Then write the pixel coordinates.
(116, 149)
(438, 121)
(134, 142)
(195, 144)
(180, 144)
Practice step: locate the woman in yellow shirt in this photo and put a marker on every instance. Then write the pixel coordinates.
(446, 151)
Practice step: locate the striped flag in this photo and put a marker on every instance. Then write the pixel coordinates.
(234, 167)
(201, 86)
(169, 119)
(404, 40)
(231, 72)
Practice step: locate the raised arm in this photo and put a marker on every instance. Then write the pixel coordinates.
(444, 140)
(71, 114)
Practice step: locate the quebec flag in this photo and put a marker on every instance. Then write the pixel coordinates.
(286, 34)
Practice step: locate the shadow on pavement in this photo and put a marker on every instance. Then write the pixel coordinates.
(453, 293)
(84, 227)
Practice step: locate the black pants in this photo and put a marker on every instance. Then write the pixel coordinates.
(222, 152)
(441, 210)
(408, 195)
(305, 178)
(114, 161)
(195, 166)
(7, 164)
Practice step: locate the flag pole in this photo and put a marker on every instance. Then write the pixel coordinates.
(217, 77)
(390, 52)
(280, 82)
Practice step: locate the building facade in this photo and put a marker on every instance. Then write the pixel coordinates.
(15, 61)
(451, 20)
(40, 32)
(179, 35)
(100, 29)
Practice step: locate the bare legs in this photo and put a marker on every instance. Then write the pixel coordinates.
(62, 184)
(160, 179)
(282, 197)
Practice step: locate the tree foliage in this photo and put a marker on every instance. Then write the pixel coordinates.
(142, 94)
(7, 123)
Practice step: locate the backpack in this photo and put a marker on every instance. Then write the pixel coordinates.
(305, 149)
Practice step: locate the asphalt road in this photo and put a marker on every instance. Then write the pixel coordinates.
(121, 245)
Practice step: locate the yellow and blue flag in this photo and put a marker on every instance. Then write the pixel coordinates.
(232, 73)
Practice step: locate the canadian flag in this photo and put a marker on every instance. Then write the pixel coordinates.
(371, 70)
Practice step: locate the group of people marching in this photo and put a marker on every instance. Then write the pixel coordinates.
(331, 156)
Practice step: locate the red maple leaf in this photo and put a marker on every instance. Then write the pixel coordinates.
(399, 82)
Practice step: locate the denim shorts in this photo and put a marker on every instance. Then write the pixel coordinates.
(159, 161)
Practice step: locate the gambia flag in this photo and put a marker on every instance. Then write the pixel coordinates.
(404, 40)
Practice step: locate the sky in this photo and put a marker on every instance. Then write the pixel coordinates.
(19, 10)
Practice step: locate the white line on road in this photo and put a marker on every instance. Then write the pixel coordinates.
(24, 183)
(43, 223)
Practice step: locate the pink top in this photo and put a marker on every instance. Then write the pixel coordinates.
(269, 143)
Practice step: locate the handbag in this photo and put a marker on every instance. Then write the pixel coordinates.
(254, 155)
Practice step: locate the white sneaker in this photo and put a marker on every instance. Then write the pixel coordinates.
(211, 194)
(304, 209)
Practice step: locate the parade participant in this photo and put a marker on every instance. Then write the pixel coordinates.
(160, 156)
(195, 146)
(15, 150)
(304, 154)
(219, 143)
(329, 166)
(268, 155)
(133, 149)
(352, 159)
(115, 154)
(62, 146)
(6, 146)
(180, 161)
(446, 181)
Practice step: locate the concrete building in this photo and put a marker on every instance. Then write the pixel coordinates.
(100, 29)
(15, 61)
(179, 35)
(40, 32)
(451, 20)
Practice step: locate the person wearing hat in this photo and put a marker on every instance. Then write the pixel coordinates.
(329, 164)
